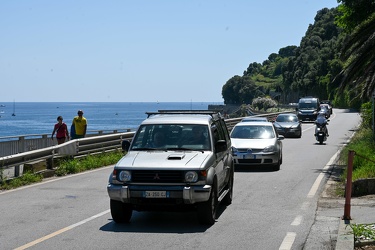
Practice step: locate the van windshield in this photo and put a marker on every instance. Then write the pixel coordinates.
(305, 105)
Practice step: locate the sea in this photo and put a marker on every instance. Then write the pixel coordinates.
(35, 118)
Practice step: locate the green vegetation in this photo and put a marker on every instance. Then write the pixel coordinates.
(26, 179)
(364, 162)
(363, 232)
(68, 166)
(363, 144)
(334, 60)
(89, 162)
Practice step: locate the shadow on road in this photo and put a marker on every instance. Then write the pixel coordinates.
(161, 222)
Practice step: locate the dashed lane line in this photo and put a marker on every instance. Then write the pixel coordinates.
(51, 235)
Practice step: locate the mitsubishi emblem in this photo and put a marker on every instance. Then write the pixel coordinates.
(156, 177)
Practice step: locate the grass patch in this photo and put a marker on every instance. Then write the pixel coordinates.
(363, 145)
(26, 179)
(87, 163)
(363, 232)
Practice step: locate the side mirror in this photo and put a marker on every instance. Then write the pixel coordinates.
(221, 146)
(125, 145)
(280, 137)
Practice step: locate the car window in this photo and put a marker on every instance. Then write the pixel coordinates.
(253, 132)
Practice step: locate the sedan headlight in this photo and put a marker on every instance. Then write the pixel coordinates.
(271, 148)
(191, 176)
(234, 150)
(125, 176)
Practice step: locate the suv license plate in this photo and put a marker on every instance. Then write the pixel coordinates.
(155, 194)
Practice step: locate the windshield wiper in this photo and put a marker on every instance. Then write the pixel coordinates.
(142, 149)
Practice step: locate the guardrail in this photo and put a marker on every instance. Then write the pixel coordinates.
(73, 148)
(84, 146)
(11, 145)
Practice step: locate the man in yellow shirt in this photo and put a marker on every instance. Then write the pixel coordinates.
(80, 125)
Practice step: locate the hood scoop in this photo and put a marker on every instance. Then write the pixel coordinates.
(176, 156)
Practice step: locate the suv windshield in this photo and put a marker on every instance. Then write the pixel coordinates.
(172, 136)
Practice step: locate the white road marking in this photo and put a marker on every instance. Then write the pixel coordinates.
(318, 180)
(54, 179)
(288, 241)
(297, 221)
(305, 206)
(49, 236)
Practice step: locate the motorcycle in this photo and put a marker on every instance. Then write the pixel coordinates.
(321, 131)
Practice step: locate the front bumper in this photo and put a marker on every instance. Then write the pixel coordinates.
(307, 117)
(288, 131)
(181, 194)
(256, 159)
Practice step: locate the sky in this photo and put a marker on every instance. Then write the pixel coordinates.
(140, 50)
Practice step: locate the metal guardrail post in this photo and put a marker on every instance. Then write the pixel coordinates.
(44, 141)
(21, 144)
(348, 190)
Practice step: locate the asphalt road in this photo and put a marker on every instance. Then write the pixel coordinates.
(270, 209)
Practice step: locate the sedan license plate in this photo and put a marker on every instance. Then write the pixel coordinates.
(155, 194)
(249, 156)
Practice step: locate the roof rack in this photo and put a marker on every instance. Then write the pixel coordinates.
(191, 112)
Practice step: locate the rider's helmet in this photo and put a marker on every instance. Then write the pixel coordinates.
(321, 113)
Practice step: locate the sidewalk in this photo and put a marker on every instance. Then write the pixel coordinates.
(362, 212)
(329, 231)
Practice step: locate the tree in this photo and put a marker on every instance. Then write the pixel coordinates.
(240, 90)
(358, 54)
(353, 13)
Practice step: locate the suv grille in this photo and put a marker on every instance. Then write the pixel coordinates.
(153, 176)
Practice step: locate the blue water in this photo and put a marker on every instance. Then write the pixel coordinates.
(39, 117)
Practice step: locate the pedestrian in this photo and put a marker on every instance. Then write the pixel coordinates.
(80, 126)
(61, 130)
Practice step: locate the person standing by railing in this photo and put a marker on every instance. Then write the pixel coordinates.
(61, 131)
(80, 126)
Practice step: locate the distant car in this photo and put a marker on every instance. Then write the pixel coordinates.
(288, 125)
(326, 107)
(256, 143)
(326, 102)
(254, 119)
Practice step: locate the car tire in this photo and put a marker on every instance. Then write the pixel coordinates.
(276, 167)
(207, 209)
(229, 196)
(300, 134)
(278, 164)
(121, 212)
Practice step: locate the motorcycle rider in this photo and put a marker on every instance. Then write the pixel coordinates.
(321, 119)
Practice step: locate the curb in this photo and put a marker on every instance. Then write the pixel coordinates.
(345, 236)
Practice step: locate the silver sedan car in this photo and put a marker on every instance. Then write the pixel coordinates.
(256, 143)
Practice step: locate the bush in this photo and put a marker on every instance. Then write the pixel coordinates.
(363, 145)
(263, 103)
(366, 114)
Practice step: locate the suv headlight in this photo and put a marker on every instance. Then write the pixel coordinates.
(125, 176)
(191, 176)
